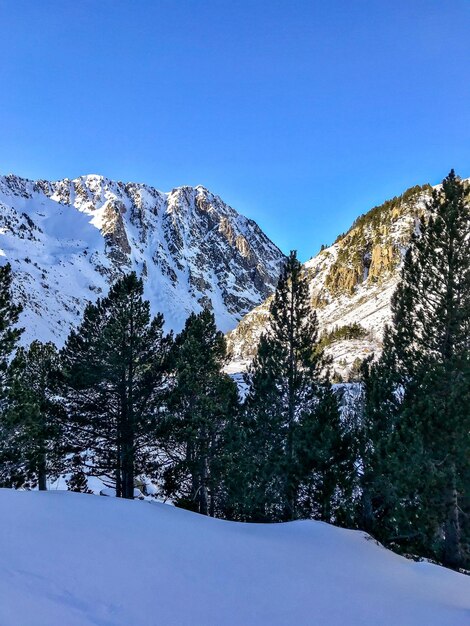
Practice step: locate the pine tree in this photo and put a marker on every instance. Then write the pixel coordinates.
(9, 332)
(33, 440)
(115, 377)
(291, 413)
(202, 403)
(418, 402)
(257, 492)
(376, 409)
(326, 453)
(77, 480)
(9, 336)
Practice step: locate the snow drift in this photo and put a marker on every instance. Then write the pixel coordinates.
(72, 559)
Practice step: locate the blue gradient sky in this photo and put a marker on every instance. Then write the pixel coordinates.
(300, 114)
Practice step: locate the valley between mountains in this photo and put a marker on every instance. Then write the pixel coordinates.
(68, 240)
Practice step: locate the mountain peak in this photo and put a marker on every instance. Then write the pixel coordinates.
(351, 283)
(68, 240)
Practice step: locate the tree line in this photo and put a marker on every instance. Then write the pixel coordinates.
(129, 403)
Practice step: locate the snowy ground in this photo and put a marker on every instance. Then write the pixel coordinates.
(68, 559)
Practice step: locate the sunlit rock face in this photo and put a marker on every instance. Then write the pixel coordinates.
(68, 240)
(351, 284)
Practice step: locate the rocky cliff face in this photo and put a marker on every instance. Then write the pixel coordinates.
(69, 240)
(351, 284)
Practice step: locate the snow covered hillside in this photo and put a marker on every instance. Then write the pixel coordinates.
(80, 560)
(351, 283)
(68, 240)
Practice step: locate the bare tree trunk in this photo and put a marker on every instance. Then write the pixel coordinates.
(119, 472)
(42, 472)
(367, 514)
(195, 488)
(203, 500)
(211, 481)
(128, 470)
(326, 497)
(453, 533)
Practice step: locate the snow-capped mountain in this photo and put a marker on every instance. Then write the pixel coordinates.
(67, 241)
(351, 284)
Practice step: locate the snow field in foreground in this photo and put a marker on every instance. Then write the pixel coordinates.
(69, 559)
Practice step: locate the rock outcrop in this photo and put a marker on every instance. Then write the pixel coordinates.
(69, 240)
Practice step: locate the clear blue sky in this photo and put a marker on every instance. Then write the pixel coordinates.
(300, 114)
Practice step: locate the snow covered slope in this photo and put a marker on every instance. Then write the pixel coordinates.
(68, 240)
(79, 560)
(351, 282)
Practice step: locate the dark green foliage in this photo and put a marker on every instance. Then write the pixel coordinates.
(9, 333)
(340, 333)
(382, 214)
(202, 403)
(260, 481)
(77, 480)
(417, 406)
(355, 373)
(114, 382)
(325, 452)
(291, 416)
(32, 442)
(376, 412)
